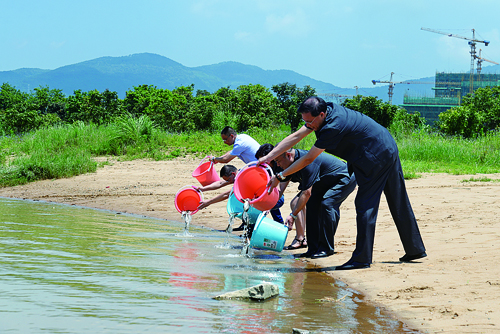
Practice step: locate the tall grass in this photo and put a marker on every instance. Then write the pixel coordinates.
(69, 150)
(430, 152)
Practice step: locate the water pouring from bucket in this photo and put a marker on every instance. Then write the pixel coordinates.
(187, 220)
(236, 208)
(205, 173)
(186, 202)
(247, 233)
(251, 184)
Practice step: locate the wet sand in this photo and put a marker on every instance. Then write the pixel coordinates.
(453, 290)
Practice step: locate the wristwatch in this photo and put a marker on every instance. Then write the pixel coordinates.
(293, 216)
(280, 176)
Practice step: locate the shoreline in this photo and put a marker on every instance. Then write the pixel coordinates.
(453, 290)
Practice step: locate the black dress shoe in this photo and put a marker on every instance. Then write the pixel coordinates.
(353, 265)
(408, 258)
(321, 254)
(240, 228)
(306, 254)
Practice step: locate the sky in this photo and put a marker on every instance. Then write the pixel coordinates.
(345, 43)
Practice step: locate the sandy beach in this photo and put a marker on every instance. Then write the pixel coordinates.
(455, 289)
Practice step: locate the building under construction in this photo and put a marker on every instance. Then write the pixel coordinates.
(449, 90)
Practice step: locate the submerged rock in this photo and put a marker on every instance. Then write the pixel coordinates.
(258, 292)
(300, 331)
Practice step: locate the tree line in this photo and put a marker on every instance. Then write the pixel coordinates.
(248, 106)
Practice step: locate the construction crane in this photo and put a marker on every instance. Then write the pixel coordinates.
(479, 62)
(338, 97)
(472, 43)
(393, 83)
(391, 86)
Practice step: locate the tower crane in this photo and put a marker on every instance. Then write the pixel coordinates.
(393, 83)
(391, 86)
(472, 43)
(479, 62)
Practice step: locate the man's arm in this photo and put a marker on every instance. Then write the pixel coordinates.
(223, 159)
(216, 199)
(283, 186)
(285, 145)
(296, 166)
(213, 186)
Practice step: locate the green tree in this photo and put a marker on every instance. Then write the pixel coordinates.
(48, 101)
(257, 107)
(381, 112)
(93, 107)
(21, 118)
(10, 96)
(460, 121)
(290, 97)
(478, 114)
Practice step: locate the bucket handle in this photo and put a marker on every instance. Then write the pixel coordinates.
(266, 166)
(211, 163)
(194, 188)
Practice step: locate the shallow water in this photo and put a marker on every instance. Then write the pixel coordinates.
(65, 269)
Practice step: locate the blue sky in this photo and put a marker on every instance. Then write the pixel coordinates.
(345, 43)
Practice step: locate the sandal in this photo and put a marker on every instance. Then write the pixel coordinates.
(296, 244)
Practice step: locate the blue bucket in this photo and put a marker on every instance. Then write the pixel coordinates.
(235, 207)
(268, 234)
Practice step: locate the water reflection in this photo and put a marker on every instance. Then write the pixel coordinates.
(72, 270)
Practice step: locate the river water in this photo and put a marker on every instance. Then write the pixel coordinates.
(66, 269)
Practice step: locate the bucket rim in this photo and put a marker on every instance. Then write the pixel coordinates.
(196, 189)
(195, 174)
(268, 176)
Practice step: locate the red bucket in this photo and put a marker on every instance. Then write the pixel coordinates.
(188, 199)
(205, 173)
(251, 183)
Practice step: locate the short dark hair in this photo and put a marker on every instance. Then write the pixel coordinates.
(263, 150)
(314, 105)
(227, 170)
(227, 131)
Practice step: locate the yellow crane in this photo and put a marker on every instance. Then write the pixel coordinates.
(472, 42)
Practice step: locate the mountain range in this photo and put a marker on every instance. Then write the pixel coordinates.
(121, 74)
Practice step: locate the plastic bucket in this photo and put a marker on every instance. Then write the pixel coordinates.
(235, 207)
(205, 173)
(251, 183)
(268, 234)
(188, 199)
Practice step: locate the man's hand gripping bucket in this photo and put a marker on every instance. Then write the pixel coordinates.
(205, 173)
(251, 183)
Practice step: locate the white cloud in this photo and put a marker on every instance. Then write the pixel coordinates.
(242, 35)
(293, 23)
(57, 45)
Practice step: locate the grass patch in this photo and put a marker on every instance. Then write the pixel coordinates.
(480, 179)
(68, 150)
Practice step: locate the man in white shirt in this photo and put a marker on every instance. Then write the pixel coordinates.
(244, 146)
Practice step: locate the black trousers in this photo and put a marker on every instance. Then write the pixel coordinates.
(390, 180)
(323, 214)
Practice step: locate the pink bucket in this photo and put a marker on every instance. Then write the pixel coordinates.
(251, 183)
(205, 173)
(188, 199)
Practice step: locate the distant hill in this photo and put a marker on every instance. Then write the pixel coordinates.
(121, 74)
